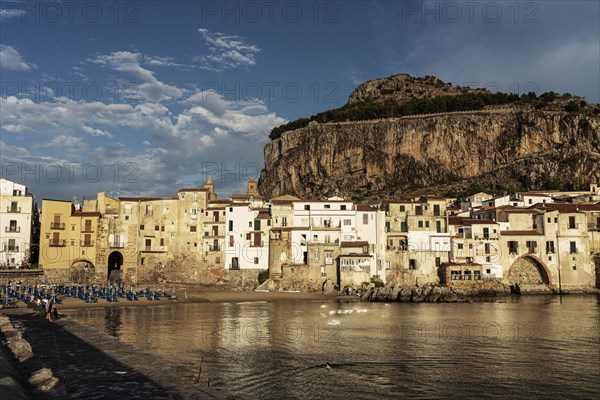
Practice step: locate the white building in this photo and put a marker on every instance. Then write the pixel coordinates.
(247, 236)
(17, 215)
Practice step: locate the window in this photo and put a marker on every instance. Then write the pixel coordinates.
(531, 246)
(412, 264)
(455, 275)
(142, 260)
(402, 208)
(328, 257)
(550, 247)
(403, 226)
(436, 209)
(230, 240)
(438, 262)
(148, 209)
(467, 275)
(250, 224)
(573, 247)
(230, 226)
(162, 228)
(365, 219)
(343, 207)
(487, 248)
(255, 260)
(419, 210)
(347, 222)
(486, 233)
(162, 241)
(283, 221)
(327, 238)
(574, 267)
(192, 228)
(193, 211)
(156, 227)
(217, 260)
(426, 224)
(549, 220)
(141, 227)
(165, 210)
(513, 247)
(127, 208)
(327, 206)
(387, 226)
(307, 207)
(420, 224)
(477, 275)
(460, 246)
(316, 255)
(572, 224)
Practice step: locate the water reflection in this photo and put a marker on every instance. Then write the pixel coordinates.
(528, 346)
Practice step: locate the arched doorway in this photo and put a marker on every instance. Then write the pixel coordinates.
(529, 273)
(115, 268)
(82, 271)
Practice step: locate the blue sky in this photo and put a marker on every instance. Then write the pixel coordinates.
(146, 97)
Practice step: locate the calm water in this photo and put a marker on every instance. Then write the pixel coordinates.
(532, 347)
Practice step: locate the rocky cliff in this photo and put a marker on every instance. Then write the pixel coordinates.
(501, 149)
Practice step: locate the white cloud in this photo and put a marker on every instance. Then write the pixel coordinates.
(8, 13)
(64, 142)
(11, 59)
(151, 89)
(226, 52)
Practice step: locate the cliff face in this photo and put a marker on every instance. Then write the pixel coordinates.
(376, 159)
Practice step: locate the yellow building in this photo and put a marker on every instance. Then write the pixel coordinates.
(68, 239)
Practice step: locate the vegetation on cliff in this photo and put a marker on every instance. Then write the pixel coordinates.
(381, 106)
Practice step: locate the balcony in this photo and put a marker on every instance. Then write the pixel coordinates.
(57, 225)
(86, 243)
(87, 229)
(257, 244)
(13, 210)
(12, 229)
(58, 243)
(215, 235)
(213, 220)
(116, 245)
(594, 227)
(154, 249)
(8, 247)
(212, 247)
(110, 210)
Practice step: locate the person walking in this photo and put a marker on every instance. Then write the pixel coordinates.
(49, 307)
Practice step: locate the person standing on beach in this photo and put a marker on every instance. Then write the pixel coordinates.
(49, 307)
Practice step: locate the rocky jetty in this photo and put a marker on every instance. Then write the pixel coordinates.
(435, 293)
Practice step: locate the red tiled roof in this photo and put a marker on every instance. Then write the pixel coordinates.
(479, 222)
(361, 243)
(263, 216)
(86, 214)
(145, 198)
(365, 208)
(570, 208)
(192, 190)
(455, 220)
(520, 233)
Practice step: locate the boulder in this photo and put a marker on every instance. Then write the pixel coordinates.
(21, 349)
(40, 377)
(405, 295)
(435, 295)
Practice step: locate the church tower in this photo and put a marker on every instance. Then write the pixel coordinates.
(252, 186)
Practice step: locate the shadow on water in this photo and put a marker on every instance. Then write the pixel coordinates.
(85, 370)
(113, 320)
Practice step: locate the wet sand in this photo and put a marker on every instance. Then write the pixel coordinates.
(206, 295)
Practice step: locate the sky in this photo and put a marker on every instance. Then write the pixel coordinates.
(142, 98)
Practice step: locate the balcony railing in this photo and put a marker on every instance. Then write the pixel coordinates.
(215, 234)
(212, 247)
(58, 243)
(11, 248)
(13, 209)
(86, 243)
(116, 245)
(594, 227)
(57, 225)
(12, 229)
(87, 229)
(257, 244)
(219, 220)
(154, 249)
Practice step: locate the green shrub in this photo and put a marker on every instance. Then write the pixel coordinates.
(263, 276)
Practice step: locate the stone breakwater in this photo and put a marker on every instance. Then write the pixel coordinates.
(435, 294)
(91, 364)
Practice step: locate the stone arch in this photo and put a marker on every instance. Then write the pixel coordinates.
(82, 270)
(115, 267)
(529, 270)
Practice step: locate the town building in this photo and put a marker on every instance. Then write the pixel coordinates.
(18, 226)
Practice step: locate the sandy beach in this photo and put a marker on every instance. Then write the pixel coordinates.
(194, 294)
